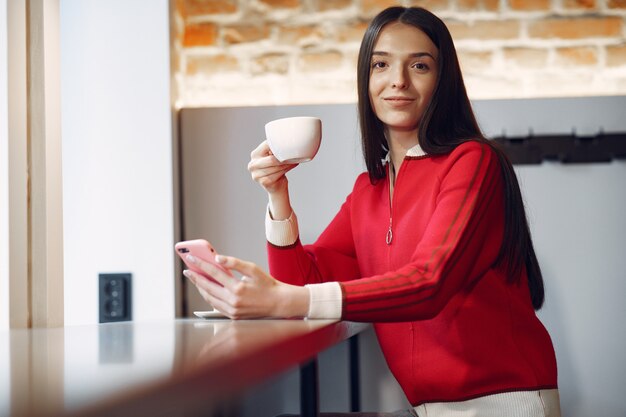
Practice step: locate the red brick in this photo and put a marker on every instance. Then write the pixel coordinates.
(434, 5)
(471, 5)
(580, 4)
(210, 65)
(180, 7)
(244, 33)
(562, 84)
(319, 61)
(175, 59)
(351, 33)
(200, 34)
(295, 35)
(352, 58)
(583, 56)
(276, 63)
(179, 31)
(497, 86)
(527, 5)
(205, 7)
(576, 28)
(326, 5)
(372, 7)
(282, 4)
(473, 61)
(616, 55)
(526, 57)
(506, 29)
(617, 4)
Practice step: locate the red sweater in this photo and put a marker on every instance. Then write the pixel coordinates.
(450, 326)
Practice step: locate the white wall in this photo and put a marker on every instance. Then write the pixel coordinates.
(4, 171)
(117, 153)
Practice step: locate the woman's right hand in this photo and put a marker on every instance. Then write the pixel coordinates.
(268, 171)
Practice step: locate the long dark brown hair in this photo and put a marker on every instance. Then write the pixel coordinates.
(440, 134)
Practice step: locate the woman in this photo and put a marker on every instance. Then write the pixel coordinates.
(432, 245)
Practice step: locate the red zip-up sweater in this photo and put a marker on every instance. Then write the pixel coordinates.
(450, 325)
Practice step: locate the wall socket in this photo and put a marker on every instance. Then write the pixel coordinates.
(115, 297)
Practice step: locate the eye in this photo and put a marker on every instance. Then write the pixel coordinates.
(378, 64)
(420, 66)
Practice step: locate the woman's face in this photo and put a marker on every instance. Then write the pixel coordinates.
(403, 76)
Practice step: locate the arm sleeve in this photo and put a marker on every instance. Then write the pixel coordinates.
(331, 258)
(324, 300)
(461, 243)
(281, 232)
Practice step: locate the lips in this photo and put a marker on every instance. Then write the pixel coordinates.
(398, 101)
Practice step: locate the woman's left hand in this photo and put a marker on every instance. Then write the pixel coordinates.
(256, 294)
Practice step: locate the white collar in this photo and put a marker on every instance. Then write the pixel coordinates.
(415, 151)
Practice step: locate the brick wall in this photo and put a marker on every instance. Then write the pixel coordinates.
(266, 52)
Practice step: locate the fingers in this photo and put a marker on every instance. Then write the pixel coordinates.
(259, 170)
(205, 284)
(250, 296)
(218, 274)
(269, 163)
(262, 150)
(270, 182)
(271, 178)
(266, 170)
(262, 162)
(222, 307)
(261, 158)
(213, 293)
(245, 268)
(218, 296)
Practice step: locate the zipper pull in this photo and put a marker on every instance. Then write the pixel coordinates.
(389, 236)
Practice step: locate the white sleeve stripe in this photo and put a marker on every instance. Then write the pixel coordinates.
(281, 232)
(325, 300)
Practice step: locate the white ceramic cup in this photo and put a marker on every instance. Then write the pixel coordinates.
(294, 140)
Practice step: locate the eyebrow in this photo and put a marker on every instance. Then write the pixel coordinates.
(413, 55)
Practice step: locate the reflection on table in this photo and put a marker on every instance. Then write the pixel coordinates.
(149, 368)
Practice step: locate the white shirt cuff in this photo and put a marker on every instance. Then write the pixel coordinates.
(281, 232)
(325, 300)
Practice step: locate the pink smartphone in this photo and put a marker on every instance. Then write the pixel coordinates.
(201, 249)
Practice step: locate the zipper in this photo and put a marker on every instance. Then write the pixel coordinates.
(392, 172)
(389, 236)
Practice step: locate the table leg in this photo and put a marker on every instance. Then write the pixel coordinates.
(309, 393)
(355, 384)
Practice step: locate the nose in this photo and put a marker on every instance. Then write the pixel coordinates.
(399, 78)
